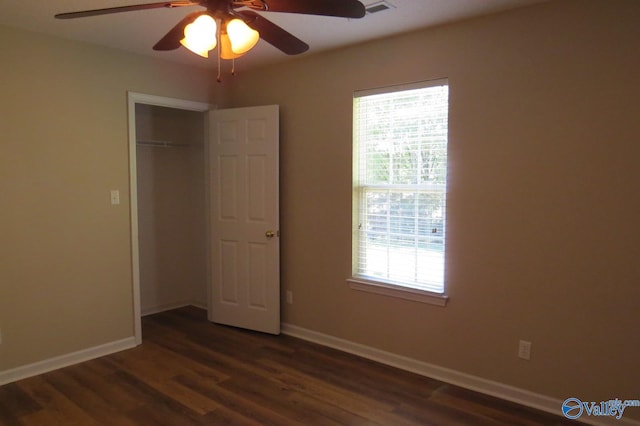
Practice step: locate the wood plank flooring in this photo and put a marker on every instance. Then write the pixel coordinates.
(191, 372)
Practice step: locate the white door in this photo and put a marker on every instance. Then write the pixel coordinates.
(245, 246)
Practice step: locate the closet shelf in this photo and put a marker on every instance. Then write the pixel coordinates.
(159, 144)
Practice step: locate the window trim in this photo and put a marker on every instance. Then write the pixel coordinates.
(401, 292)
(377, 285)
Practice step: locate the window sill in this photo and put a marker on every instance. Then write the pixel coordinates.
(391, 290)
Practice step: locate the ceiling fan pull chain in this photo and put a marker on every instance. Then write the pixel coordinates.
(233, 66)
(218, 78)
(219, 52)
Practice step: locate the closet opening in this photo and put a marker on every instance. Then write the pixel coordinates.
(169, 204)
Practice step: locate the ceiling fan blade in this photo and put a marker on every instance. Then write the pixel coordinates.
(273, 34)
(171, 40)
(341, 8)
(95, 12)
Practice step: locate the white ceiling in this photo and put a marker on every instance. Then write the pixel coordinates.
(138, 31)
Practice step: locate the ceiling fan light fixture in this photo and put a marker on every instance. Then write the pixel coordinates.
(201, 31)
(200, 35)
(242, 37)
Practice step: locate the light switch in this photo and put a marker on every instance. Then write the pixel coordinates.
(115, 197)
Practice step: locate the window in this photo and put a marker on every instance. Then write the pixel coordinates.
(400, 176)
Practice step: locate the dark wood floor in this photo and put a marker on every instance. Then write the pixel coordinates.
(191, 372)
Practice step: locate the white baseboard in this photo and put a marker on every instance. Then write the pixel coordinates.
(457, 378)
(41, 367)
(150, 310)
(66, 360)
(475, 383)
(200, 304)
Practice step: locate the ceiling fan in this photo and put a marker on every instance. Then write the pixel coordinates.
(235, 31)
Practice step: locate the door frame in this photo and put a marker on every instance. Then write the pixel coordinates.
(134, 98)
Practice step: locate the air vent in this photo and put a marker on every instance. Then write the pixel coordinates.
(379, 6)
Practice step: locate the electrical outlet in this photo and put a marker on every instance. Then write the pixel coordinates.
(289, 297)
(524, 350)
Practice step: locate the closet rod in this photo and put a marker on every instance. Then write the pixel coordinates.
(160, 144)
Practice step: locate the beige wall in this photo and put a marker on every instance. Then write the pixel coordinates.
(65, 262)
(543, 201)
(543, 204)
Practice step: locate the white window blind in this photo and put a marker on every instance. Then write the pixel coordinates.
(400, 174)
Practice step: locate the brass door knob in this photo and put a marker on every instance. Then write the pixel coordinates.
(269, 234)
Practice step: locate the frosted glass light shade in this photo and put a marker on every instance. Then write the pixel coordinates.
(200, 35)
(241, 36)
